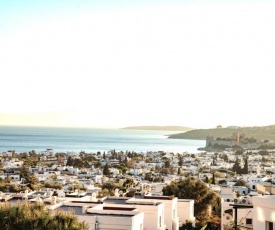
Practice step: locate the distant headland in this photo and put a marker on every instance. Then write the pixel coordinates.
(160, 128)
(257, 132)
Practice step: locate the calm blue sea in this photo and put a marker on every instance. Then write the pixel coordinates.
(22, 139)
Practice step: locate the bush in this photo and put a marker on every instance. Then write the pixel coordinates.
(35, 216)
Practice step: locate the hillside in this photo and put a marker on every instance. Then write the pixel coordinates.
(161, 128)
(260, 133)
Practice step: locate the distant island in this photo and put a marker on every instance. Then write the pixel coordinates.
(257, 132)
(160, 128)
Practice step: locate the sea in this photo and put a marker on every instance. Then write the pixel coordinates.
(90, 140)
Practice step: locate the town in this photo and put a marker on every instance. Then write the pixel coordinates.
(232, 188)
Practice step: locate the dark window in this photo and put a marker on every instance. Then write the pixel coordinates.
(248, 221)
(269, 225)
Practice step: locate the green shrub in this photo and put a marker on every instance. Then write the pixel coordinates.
(36, 216)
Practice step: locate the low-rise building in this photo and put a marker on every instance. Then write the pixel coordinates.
(264, 212)
(97, 217)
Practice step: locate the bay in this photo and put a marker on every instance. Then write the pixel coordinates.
(24, 139)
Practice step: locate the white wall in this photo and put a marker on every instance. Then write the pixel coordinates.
(170, 212)
(153, 214)
(264, 210)
(185, 211)
(111, 222)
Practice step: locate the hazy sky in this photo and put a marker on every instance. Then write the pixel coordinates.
(120, 63)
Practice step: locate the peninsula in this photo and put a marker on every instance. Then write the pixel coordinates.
(257, 132)
(160, 128)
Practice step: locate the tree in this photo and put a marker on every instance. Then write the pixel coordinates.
(128, 183)
(32, 154)
(53, 176)
(70, 161)
(103, 193)
(225, 157)
(219, 174)
(130, 163)
(106, 170)
(164, 171)
(24, 173)
(213, 179)
(148, 176)
(236, 167)
(190, 188)
(32, 182)
(240, 183)
(239, 150)
(245, 167)
(110, 187)
(180, 161)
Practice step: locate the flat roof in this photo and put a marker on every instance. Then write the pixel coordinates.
(268, 197)
(115, 201)
(142, 201)
(77, 210)
(111, 212)
(159, 197)
(118, 208)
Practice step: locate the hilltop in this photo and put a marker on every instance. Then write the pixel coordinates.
(258, 132)
(161, 128)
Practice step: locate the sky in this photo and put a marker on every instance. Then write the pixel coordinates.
(121, 63)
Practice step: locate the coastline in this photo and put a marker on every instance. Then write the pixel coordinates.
(22, 139)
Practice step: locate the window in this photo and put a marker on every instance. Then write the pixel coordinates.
(268, 225)
(248, 221)
(160, 221)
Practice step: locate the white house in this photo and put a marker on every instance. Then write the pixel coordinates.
(113, 219)
(47, 152)
(114, 171)
(171, 219)
(13, 176)
(153, 212)
(264, 212)
(136, 171)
